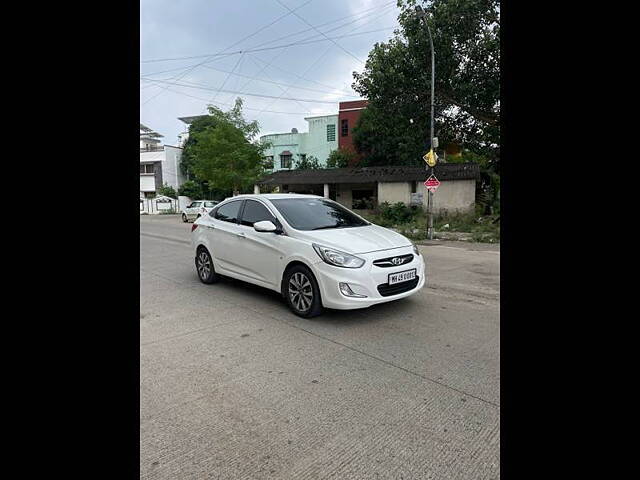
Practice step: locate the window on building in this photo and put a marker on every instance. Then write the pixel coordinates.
(414, 185)
(303, 156)
(268, 162)
(255, 212)
(146, 168)
(331, 133)
(149, 194)
(345, 127)
(285, 161)
(228, 212)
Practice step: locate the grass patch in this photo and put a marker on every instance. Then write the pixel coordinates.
(412, 222)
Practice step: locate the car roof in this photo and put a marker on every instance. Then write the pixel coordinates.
(276, 196)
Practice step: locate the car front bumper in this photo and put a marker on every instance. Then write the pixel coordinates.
(367, 280)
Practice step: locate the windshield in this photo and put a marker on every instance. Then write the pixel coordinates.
(316, 214)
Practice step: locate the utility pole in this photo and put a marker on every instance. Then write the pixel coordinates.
(423, 15)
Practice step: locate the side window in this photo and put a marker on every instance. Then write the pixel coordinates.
(255, 212)
(197, 204)
(209, 204)
(228, 212)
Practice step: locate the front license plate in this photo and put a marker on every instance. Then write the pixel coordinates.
(400, 277)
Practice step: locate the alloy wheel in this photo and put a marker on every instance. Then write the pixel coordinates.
(204, 265)
(300, 292)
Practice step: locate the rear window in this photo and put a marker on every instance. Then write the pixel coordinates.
(228, 212)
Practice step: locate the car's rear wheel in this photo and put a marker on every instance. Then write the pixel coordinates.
(204, 266)
(184, 218)
(302, 293)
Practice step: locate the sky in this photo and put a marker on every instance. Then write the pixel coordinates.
(276, 84)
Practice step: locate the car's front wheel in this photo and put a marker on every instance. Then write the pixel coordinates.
(204, 266)
(302, 293)
(184, 218)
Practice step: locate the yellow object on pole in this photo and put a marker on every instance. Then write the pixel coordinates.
(431, 158)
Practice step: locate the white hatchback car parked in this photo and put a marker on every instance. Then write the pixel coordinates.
(197, 208)
(312, 250)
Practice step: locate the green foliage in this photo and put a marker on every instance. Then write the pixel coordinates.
(199, 125)
(308, 162)
(224, 154)
(191, 189)
(340, 158)
(399, 212)
(394, 129)
(167, 191)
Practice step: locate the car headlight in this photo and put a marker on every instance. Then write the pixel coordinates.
(415, 249)
(337, 258)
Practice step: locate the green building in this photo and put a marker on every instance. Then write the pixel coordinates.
(319, 142)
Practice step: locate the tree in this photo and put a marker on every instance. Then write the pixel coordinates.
(225, 154)
(307, 163)
(394, 129)
(190, 189)
(340, 158)
(187, 160)
(167, 191)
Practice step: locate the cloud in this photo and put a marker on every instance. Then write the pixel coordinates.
(175, 29)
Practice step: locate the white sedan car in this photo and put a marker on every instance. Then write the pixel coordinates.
(312, 250)
(197, 208)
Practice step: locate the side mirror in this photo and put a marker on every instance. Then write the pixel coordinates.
(264, 226)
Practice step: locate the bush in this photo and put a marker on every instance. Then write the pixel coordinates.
(399, 212)
(167, 191)
(190, 189)
(340, 158)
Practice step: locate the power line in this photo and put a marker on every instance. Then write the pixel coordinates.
(271, 41)
(230, 46)
(244, 108)
(237, 52)
(305, 72)
(305, 100)
(226, 79)
(321, 33)
(273, 81)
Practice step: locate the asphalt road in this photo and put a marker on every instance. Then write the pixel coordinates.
(234, 386)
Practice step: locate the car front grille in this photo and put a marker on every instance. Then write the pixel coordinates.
(387, 290)
(387, 262)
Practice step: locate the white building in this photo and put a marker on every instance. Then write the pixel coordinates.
(159, 163)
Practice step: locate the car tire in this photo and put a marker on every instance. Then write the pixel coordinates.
(204, 266)
(301, 292)
(184, 218)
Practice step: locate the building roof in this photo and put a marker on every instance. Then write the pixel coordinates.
(353, 105)
(189, 120)
(443, 171)
(147, 132)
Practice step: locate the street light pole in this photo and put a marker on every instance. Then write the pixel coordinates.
(422, 14)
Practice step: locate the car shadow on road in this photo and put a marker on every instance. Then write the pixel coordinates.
(374, 314)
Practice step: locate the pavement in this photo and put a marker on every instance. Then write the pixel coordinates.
(234, 386)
